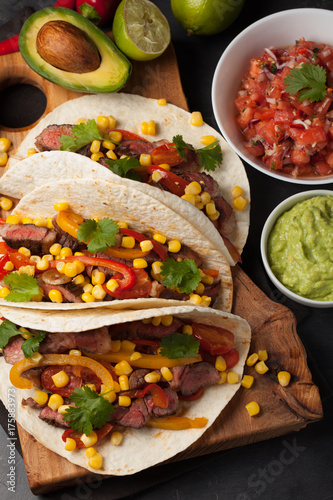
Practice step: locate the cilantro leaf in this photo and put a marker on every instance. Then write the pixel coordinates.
(23, 287)
(91, 410)
(125, 167)
(210, 157)
(7, 331)
(82, 134)
(179, 345)
(183, 274)
(309, 80)
(99, 235)
(31, 345)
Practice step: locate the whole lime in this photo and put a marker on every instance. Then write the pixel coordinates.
(140, 30)
(206, 17)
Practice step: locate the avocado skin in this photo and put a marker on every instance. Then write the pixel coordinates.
(113, 72)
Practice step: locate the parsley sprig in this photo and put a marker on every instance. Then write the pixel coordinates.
(125, 167)
(179, 345)
(23, 287)
(309, 80)
(82, 134)
(99, 235)
(91, 410)
(29, 346)
(183, 274)
(210, 157)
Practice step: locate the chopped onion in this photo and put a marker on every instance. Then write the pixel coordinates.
(301, 122)
(271, 100)
(269, 74)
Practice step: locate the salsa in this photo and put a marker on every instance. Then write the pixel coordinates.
(287, 132)
(300, 248)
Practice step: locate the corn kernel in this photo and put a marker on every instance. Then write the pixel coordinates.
(111, 155)
(253, 408)
(75, 352)
(251, 360)
(55, 249)
(60, 379)
(122, 224)
(56, 296)
(156, 321)
(140, 263)
(239, 203)
(208, 280)
(152, 377)
(136, 355)
(12, 219)
(262, 355)
(63, 409)
(189, 197)
(95, 146)
(102, 122)
(48, 257)
(223, 378)
(79, 279)
(115, 345)
(199, 205)
(3, 158)
(79, 253)
(109, 145)
(165, 166)
(123, 382)
(109, 395)
(49, 223)
(112, 285)
(146, 245)
(193, 188)
(98, 292)
(116, 438)
(166, 373)
(96, 461)
(284, 378)
(40, 397)
(65, 252)
(60, 266)
(116, 386)
(40, 222)
(215, 216)
(35, 258)
(24, 332)
(156, 267)
(128, 242)
(97, 156)
(210, 208)
(36, 357)
(144, 128)
(123, 368)
(70, 444)
(31, 151)
(207, 139)
(205, 197)
(196, 119)
(4, 144)
(247, 381)
(151, 128)
(200, 288)
(5, 203)
(90, 452)
(9, 266)
(81, 120)
(174, 246)
(220, 364)
(24, 251)
(63, 205)
(187, 329)
(112, 121)
(167, 320)
(55, 401)
(261, 367)
(87, 297)
(127, 345)
(89, 440)
(232, 378)
(115, 136)
(42, 265)
(236, 191)
(124, 401)
(156, 176)
(26, 220)
(195, 299)
(161, 102)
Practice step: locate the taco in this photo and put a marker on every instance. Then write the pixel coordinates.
(135, 378)
(130, 251)
(198, 184)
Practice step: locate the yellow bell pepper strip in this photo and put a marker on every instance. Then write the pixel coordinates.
(70, 222)
(153, 361)
(158, 248)
(177, 423)
(126, 253)
(57, 359)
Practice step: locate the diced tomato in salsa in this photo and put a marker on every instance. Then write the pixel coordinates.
(287, 134)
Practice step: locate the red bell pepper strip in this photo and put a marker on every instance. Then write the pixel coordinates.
(129, 136)
(129, 276)
(161, 252)
(167, 153)
(175, 184)
(140, 289)
(193, 397)
(102, 432)
(160, 399)
(3, 260)
(16, 257)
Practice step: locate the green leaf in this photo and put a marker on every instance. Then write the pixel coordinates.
(179, 345)
(210, 157)
(99, 235)
(82, 134)
(309, 80)
(183, 275)
(125, 167)
(7, 331)
(91, 410)
(31, 345)
(23, 287)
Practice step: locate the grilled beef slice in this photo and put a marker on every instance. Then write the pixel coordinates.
(157, 411)
(186, 253)
(97, 340)
(37, 239)
(136, 379)
(48, 139)
(137, 329)
(32, 403)
(69, 291)
(34, 374)
(65, 239)
(13, 352)
(52, 417)
(190, 378)
(135, 415)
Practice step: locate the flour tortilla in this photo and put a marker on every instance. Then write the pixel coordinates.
(130, 111)
(97, 198)
(145, 447)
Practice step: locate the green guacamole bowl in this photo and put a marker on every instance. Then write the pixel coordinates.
(297, 247)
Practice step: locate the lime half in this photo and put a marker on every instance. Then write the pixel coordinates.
(140, 30)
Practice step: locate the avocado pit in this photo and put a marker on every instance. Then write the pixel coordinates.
(67, 47)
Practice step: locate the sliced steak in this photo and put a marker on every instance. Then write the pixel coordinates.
(186, 253)
(48, 139)
(157, 411)
(136, 148)
(34, 374)
(13, 352)
(136, 416)
(168, 293)
(191, 165)
(98, 341)
(136, 379)
(138, 329)
(69, 291)
(156, 289)
(37, 239)
(52, 417)
(32, 403)
(195, 376)
(212, 291)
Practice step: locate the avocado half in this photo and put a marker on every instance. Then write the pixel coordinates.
(112, 73)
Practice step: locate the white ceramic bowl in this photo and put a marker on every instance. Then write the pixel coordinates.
(285, 205)
(279, 30)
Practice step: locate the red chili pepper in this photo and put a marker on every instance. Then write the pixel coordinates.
(160, 399)
(99, 12)
(193, 397)
(161, 252)
(175, 184)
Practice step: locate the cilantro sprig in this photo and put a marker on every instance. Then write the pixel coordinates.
(309, 80)
(29, 346)
(183, 274)
(23, 287)
(179, 345)
(210, 157)
(91, 410)
(125, 167)
(82, 134)
(99, 235)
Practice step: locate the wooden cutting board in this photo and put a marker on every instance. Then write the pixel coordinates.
(283, 410)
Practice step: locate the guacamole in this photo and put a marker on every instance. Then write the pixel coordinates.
(300, 248)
